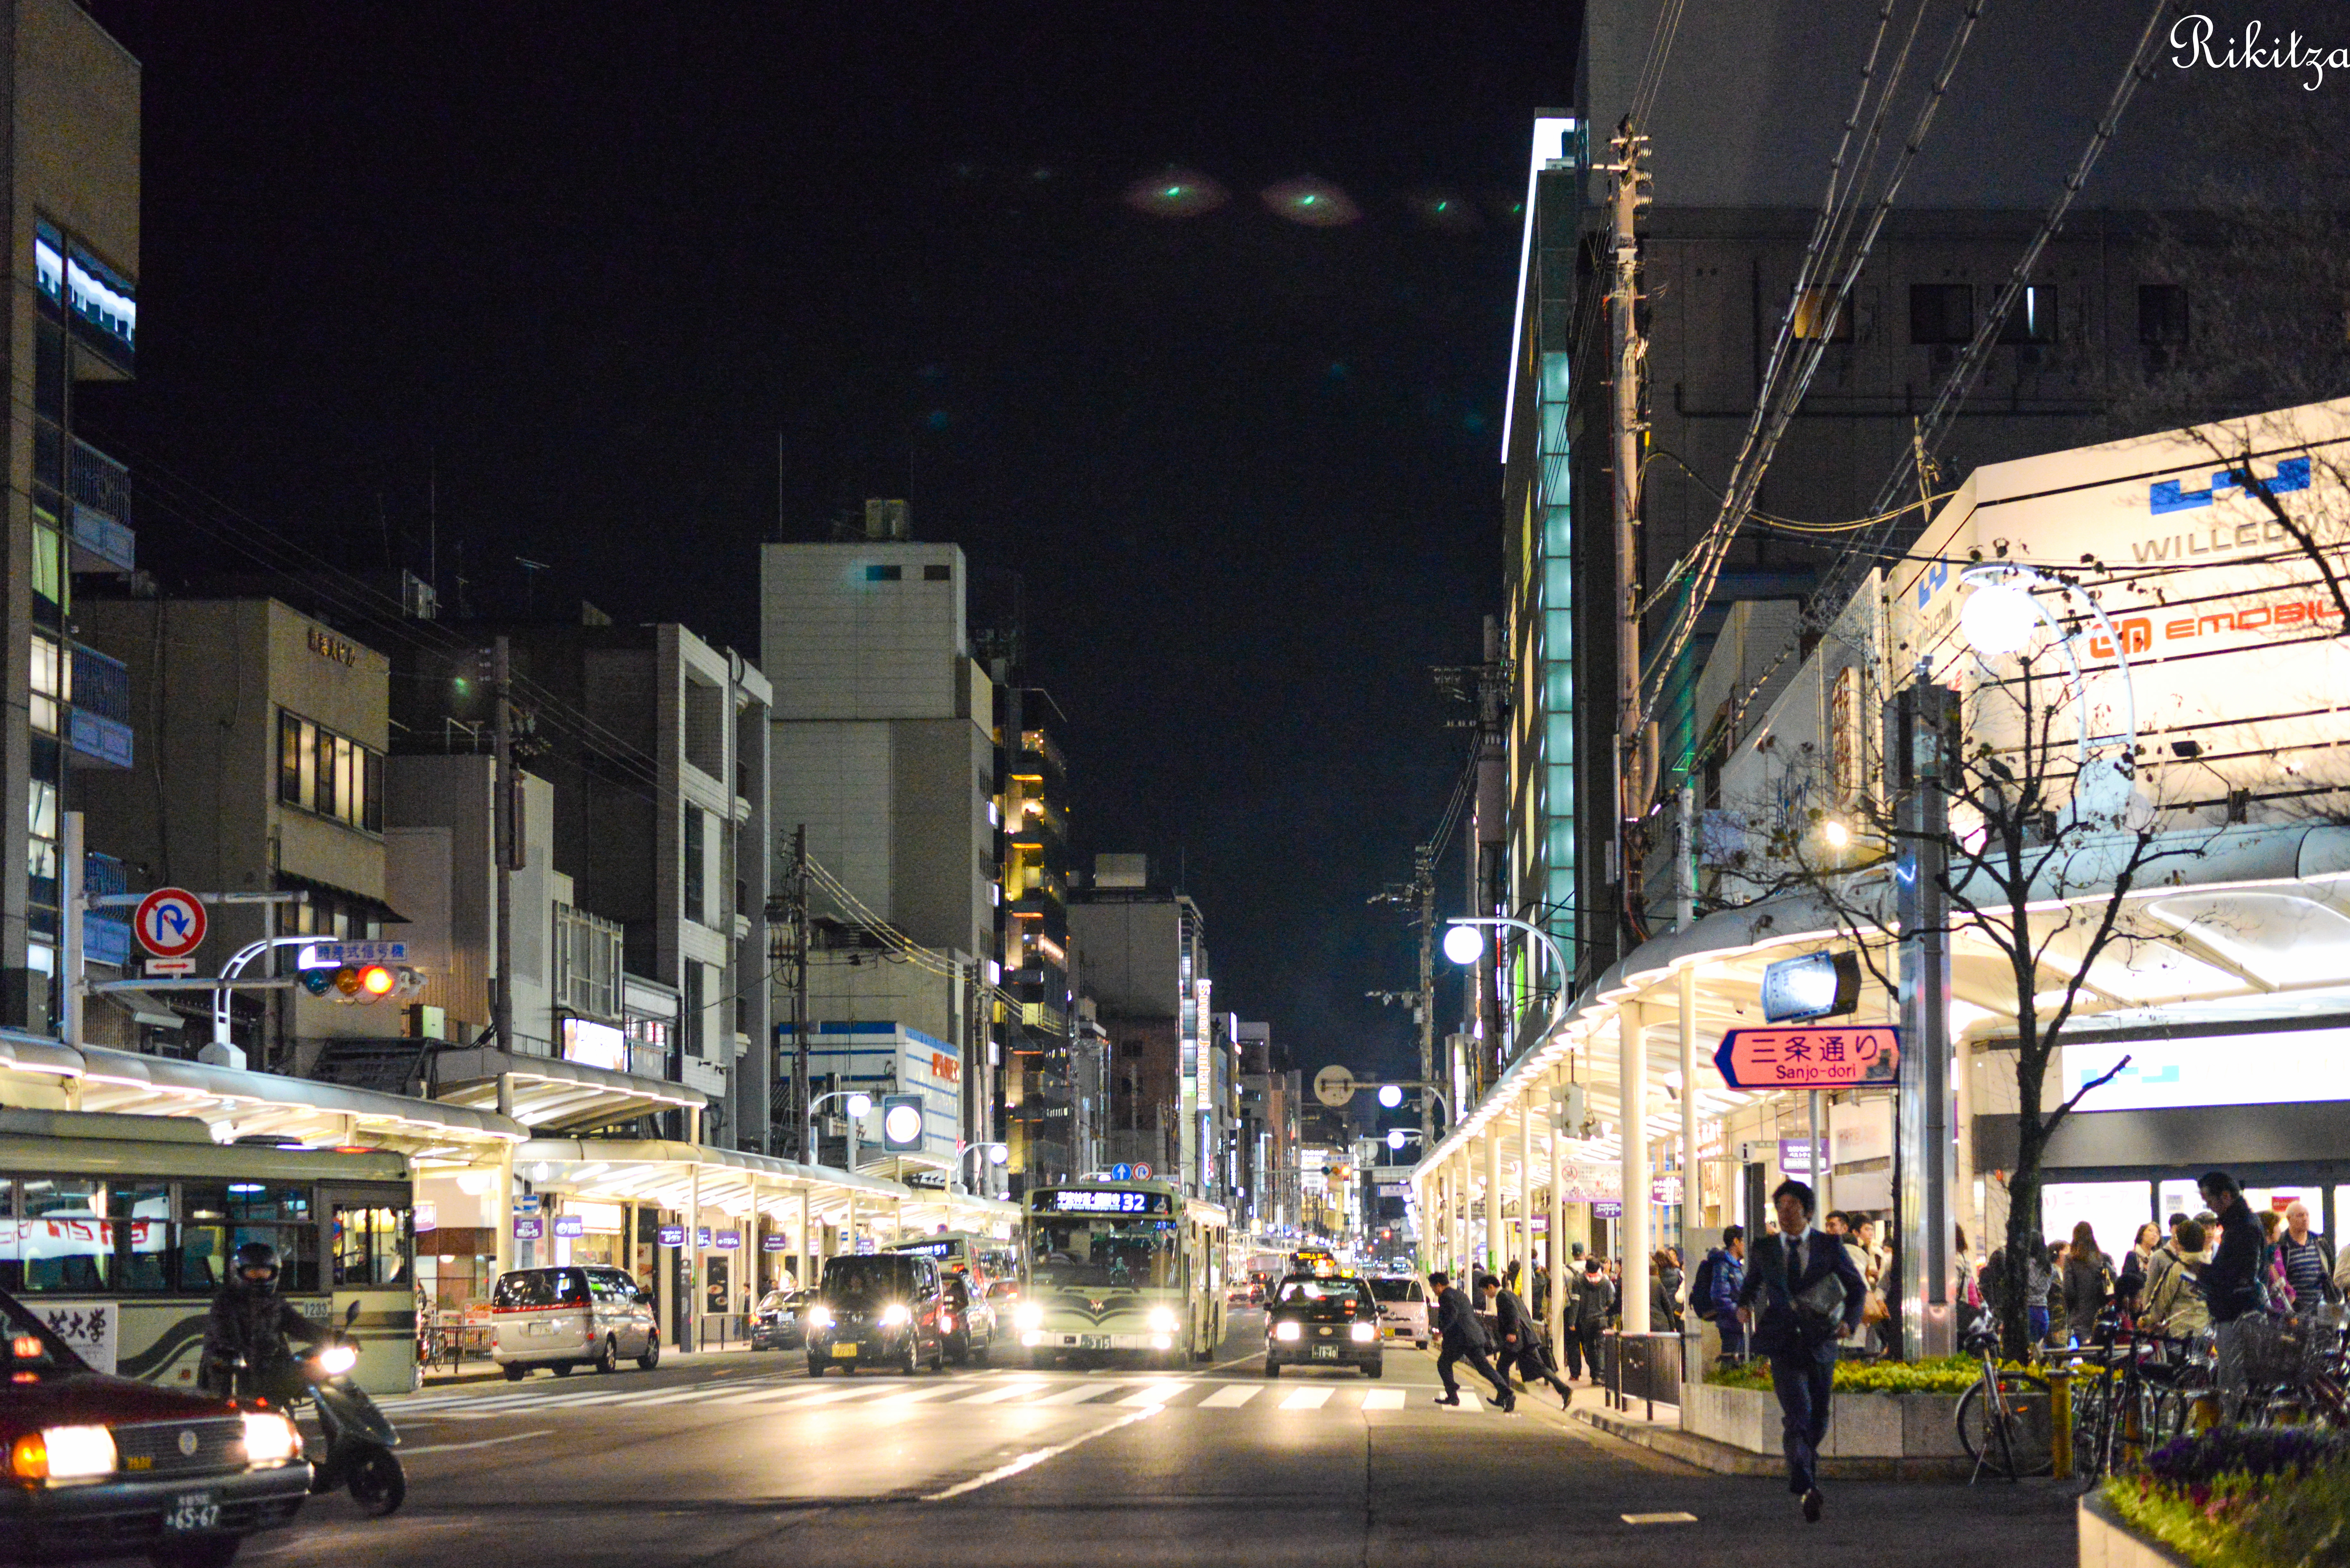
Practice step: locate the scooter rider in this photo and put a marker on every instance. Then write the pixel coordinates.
(249, 1320)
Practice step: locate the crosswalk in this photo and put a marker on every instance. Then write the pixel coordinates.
(1012, 1392)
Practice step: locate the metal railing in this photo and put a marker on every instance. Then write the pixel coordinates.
(1644, 1367)
(96, 480)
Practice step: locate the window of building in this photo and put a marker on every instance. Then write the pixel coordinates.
(2034, 319)
(884, 574)
(705, 727)
(939, 572)
(2162, 314)
(697, 881)
(1811, 307)
(328, 774)
(1941, 312)
(52, 587)
(689, 1008)
(52, 686)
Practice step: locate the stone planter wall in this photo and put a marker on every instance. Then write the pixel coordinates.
(2107, 1542)
(1860, 1426)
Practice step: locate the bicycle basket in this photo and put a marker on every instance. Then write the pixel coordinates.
(2283, 1350)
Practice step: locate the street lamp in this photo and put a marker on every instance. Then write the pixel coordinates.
(1465, 945)
(2002, 611)
(860, 1106)
(997, 1154)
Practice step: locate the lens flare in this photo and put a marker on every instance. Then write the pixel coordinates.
(1448, 212)
(1316, 204)
(1176, 193)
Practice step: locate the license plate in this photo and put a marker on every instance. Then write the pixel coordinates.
(538, 1328)
(1325, 1353)
(1095, 1342)
(192, 1510)
(844, 1352)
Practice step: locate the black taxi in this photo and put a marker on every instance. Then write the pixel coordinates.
(1322, 1320)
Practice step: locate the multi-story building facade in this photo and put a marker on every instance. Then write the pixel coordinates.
(71, 161)
(1171, 1085)
(1040, 1090)
(1720, 249)
(652, 746)
(885, 752)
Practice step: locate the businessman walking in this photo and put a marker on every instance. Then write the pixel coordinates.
(1464, 1339)
(1801, 1295)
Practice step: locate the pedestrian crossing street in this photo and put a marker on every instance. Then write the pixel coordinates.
(1011, 1392)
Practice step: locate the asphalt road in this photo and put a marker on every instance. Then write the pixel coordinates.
(741, 1459)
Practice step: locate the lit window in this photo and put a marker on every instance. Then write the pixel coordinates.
(52, 684)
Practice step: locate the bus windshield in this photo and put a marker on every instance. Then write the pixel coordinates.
(1078, 1249)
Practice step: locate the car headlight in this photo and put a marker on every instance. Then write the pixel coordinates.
(270, 1438)
(819, 1317)
(1288, 1331)
(1029, 1315)
(62, 1453)
(1163, 1320)
(338, 1359)
(895, 1315)
(1364, 1332)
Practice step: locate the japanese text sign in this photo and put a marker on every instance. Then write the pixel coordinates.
(1812, 1058)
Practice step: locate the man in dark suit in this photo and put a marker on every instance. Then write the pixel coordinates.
(1463, 1339)
(1521, 1336)
(1785, 1297)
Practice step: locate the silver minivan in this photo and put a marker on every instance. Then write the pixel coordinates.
(563, 1318)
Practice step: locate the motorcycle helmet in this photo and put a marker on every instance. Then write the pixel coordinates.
(256, 1264)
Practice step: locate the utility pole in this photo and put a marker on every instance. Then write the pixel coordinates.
(796, 891)
(1920, 721)
(506, 848)
(1423, 881)
(1629, 352)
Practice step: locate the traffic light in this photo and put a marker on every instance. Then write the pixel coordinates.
(362, 983)
(901, 1123)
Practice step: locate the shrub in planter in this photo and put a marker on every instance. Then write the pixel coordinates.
(2206, 1456)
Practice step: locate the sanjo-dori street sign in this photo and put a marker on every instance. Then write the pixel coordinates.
(1814, 1058)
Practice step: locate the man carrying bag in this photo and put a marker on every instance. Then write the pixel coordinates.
(1801, 1295)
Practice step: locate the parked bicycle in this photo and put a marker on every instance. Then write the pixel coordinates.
(2005, 1420)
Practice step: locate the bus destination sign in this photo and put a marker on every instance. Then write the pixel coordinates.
(1106, 1201)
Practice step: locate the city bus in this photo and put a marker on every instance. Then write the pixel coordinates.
(1130, 1268)
(116, 1231)
(990, 1258)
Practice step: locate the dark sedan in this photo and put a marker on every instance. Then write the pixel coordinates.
(775, 1320)
(108, 1467)
(1323, 1319)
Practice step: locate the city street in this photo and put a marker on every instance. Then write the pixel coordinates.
(741, 1458)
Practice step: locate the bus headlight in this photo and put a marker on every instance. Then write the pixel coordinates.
(1163, 1320)
(1288, 1331)
(1030, 1315)
(895, 1315)
(1364, 1332)
(270, 1438)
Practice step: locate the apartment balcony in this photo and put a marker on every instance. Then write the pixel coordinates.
(1037, 744)
(97, 726)
(97, 494)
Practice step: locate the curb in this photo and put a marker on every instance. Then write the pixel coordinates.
(1723, 1459)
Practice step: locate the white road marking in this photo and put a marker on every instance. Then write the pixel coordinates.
(482, 1443)
(1307, 1398)
(1031, 1459)
(916, 1395)
(1231, 1398)
(1660, 1518)
(1072, 1395)
(998, 1395)
(1153, 1394)
(1383, 1398)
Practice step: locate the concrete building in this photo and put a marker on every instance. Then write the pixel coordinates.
(651, 744)
(1039, 1085)
(71, 166)
(272, 743)
(1739, 158)
(1145, 967)
(884, 751)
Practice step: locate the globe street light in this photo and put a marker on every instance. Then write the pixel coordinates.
(997, 1154)
(1390, 1095)
(1465, 945)
(859, 1107)
(2001, 612)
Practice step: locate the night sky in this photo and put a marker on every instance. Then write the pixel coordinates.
(576, 268)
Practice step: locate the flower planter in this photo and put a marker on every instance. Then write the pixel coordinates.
(1860, 1426)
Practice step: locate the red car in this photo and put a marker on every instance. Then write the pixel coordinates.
(110, 1467)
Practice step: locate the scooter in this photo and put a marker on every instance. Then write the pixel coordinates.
(360, 1437)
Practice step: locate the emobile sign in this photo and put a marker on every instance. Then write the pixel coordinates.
(2232, 635)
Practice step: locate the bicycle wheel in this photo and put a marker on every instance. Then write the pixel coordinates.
(2008, 1436)
(2093, 1400)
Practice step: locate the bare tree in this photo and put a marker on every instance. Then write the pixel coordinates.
(2046, 843)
